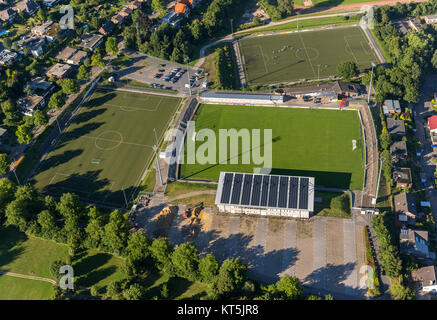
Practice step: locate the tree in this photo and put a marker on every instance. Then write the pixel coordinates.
(208, 268)
(4, 163)
(24, 134)
(94, 232)
(434, 60)
(7, 43)
(56, 100)
(17, 215)
(69, 86)
(232, 275)
(111, 45)
(96, 59)
(138, 247)
(385, 138)
(135, 292)
(70, 206)
(83, 73)
(7, 192)
(47, 221)
(400, 292)
(347, 70)
(161, 251)
(41, 14)
(73, 233)
(289, 288)
(185, 259)
(116, 232)
(40, 118)
(114, 290)
(390, 261)
(158, 5)
(285, 7)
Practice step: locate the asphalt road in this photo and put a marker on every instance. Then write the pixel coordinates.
(424, 109)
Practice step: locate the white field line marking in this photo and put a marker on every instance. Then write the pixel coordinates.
(309, 60)
(350, 48)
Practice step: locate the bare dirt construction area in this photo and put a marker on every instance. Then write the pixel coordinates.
(325, 253)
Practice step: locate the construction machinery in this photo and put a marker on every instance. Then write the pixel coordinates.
(193, 211)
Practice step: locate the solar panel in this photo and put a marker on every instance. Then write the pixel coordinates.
(273, 193)
(283, 188)
(265, 190)
(293, 192)
(236, 188)
(227, 184)
(247, 186)
(256, 190)
(303, 193)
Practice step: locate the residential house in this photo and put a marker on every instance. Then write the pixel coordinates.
(7, 57)
(402, 177)
(117, 19)
(172, 18)
(348, 89)
(3, 135)
(432, 125)
(434, 141)
(90, 41)
(36, 45)
(48, 30)
(182, 9)
(40, 85)
(134, 5)
(427, 277)
(107, 28)
(405, 207)
(431, 19)
(50, 3)
(396, 127)
(30, 104)
(28, 7)
(391, 107)
(8, 15)
(59, 71)
(72, 56)
(125, 12)
(398, 151)
(414, 24)
(415, 243)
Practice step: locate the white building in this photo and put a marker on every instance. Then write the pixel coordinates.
(241, 99)
(265, 194)
(427, 277)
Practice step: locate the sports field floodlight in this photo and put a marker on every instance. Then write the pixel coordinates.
(381, 161)
(156, 137)
(155, 149)
(370, 87)
(186, 59)
(124, 194)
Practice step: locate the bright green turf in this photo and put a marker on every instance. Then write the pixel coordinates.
(12, 288)
(108, 116)
(306, 51)
(306, 142)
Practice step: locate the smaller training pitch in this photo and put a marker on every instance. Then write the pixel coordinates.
(303, 55)
(107, 147)
(309, 142)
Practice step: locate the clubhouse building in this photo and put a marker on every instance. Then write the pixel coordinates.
(265, 194)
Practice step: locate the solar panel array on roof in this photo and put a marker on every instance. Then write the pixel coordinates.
(303, 193)
(227, 185)
(262, 190)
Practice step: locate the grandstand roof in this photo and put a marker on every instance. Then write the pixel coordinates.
(245, 96)
(265, 191)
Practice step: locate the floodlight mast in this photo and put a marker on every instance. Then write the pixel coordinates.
(379, 179)
(155, 148)
(370, 87)
(124, 194)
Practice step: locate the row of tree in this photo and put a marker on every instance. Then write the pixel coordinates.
(225, 68)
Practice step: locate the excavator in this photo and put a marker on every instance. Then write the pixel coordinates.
(194, 211)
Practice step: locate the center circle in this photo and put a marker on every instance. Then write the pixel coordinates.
(307, 52)
(108, 140)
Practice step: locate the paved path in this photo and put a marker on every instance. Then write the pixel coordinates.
(25, 276)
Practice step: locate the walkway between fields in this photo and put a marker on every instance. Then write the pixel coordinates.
(25, 276)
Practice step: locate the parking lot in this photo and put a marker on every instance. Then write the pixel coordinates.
(326, 254)
(163, 74)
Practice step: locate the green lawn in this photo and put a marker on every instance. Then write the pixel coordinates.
(96, 268)
(306, 142)
(107, 147)
(178, 188)
(304, 55)
(12, 288)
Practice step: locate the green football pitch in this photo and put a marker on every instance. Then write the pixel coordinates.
(107, 146)
(295, 56)
(308, 142)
